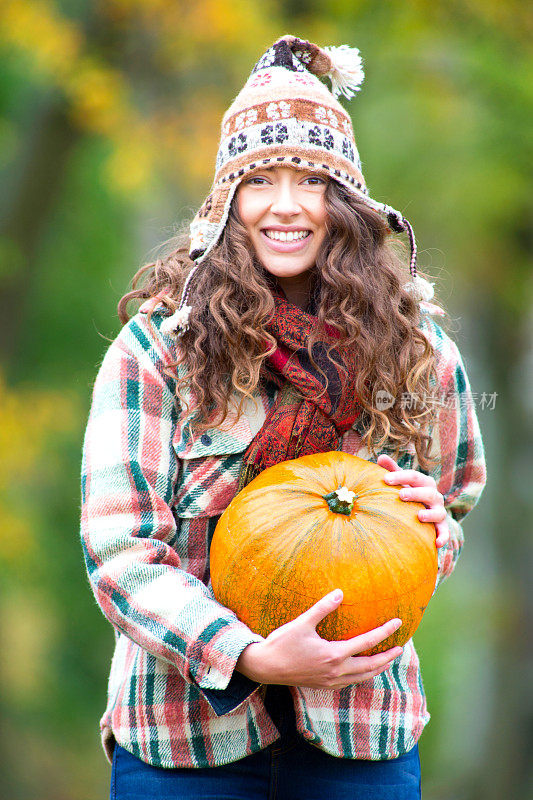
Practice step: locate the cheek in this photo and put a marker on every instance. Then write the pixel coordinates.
(249, 211)
(319, 212)
(240, 202)
(321, 219)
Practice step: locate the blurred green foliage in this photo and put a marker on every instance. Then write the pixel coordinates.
(109, 123)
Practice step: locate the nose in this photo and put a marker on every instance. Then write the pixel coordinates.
(285, 200)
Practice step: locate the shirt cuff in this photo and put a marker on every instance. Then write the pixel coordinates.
(216, 677)
(239, 689)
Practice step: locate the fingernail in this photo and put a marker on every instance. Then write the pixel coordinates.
(337, 595)
(398, 623)
(405, 493)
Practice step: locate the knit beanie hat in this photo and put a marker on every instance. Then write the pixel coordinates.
(285, 116)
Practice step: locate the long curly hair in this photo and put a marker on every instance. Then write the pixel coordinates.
(357, 287)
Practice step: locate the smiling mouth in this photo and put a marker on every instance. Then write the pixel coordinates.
(273, 240)
(286, 236)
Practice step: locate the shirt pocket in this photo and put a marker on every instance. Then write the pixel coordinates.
(209, 468)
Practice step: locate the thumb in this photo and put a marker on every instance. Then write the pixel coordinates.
(322, 608)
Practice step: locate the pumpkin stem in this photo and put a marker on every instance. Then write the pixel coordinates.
(341, 501)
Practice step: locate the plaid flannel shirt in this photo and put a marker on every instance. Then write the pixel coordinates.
(152, 494)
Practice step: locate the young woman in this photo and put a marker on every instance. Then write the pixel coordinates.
(287, 324)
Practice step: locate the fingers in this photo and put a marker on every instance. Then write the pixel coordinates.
(422, 494)
(409, 477)
(346, 671)
(321, 609)
(437, 514)
(443, 533)
(421, 488)
(365, 641)
(378, 661)
(372, 673)
(369, 675)
(435, 511)
(387, 462)
(362, 668)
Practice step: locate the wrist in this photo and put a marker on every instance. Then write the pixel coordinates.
(251, 661)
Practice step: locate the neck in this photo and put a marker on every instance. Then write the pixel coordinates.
(296, 289)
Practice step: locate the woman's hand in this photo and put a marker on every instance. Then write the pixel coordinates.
(422, 489)
(295, 655)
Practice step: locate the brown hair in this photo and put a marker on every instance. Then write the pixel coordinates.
(358, 288)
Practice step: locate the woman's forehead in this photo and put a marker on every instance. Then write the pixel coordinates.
(282, 169)
(287, 168)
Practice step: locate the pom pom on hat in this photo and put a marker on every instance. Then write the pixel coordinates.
(343, 65)
(346, 73)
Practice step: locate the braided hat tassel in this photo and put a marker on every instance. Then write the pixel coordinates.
(418, 287)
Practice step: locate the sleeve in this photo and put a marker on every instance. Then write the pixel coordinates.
(459, 471)
(129, 469)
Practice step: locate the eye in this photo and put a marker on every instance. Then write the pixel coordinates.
(315, 180)
(257, 180)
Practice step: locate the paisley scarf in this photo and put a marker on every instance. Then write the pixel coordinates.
(306, 417)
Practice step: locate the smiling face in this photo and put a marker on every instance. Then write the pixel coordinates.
(284, 212)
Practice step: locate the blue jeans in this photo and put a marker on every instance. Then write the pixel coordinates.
(289, 769)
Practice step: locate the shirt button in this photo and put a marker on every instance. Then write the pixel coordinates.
(205, 439)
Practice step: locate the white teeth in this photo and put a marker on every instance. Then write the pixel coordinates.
(287, 236)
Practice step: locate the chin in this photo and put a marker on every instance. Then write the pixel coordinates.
(286, 273)
(284, 270)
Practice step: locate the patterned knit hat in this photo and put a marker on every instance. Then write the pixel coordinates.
(284, 115)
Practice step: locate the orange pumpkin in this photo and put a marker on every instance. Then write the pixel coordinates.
(305, 527)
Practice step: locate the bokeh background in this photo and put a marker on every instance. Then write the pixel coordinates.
(109, 119)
